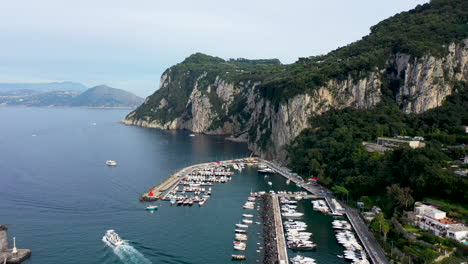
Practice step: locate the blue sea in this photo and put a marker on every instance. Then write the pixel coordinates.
(58, 197)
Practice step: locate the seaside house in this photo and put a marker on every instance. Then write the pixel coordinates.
(429, 218)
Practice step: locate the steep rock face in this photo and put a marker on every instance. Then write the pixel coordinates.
(428, 80)
(215, 105)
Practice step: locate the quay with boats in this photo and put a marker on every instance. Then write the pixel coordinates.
(194, 185)
(193, 179)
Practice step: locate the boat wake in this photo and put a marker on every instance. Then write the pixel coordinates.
(127, 253)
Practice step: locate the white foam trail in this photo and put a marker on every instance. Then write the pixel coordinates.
(127, 253)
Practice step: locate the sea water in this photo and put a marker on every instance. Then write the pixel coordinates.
(58, 197)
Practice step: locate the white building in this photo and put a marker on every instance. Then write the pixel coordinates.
(394, 143)
(459, 233)
(434, 220)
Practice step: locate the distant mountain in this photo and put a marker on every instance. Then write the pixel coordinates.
(44, 87)
(99, 96)
(105, 96)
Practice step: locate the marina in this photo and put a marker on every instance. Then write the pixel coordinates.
(112, 196)
(196, 179)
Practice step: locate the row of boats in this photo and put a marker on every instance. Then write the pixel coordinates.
(195, 187)
(189, 200)
(354, 252)
(295, 231)
(240, 233)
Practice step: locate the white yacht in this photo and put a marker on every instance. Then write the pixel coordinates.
(113, 238)
(111, 163)
(266, 171)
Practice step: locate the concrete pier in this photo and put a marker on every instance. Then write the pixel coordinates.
(372, 247)
(161, 190)
(6, 254)
(280, 239)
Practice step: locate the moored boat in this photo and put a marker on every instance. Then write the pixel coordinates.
(238, 257)
(151, 208)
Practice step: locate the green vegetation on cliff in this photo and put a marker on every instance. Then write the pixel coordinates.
(201, 71)
(333, 150)
(424, 30)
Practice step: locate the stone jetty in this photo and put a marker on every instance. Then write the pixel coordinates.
(8, 255)
(269, 231)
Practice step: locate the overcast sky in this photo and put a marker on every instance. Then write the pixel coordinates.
(128, 44)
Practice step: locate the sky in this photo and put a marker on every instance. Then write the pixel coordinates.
(127, 44)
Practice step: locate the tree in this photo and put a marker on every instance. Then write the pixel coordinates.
(341, 190)
(400, 198)
(428, 255)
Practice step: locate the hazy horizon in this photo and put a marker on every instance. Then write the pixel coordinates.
(128, 46)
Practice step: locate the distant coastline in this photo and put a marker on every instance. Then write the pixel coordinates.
(68, 106)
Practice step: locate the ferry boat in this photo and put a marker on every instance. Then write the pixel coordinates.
(111, 163)
(151, 208)
(113, 238)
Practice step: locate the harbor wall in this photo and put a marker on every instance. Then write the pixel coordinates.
(3, 238)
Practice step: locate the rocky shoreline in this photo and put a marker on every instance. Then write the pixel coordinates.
(269, 231)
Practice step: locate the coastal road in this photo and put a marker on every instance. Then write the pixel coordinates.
(371, 245)
(373, 248)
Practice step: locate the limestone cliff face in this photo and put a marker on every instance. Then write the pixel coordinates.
(215, 105)
(428, 80)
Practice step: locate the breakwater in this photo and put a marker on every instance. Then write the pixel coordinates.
(11, 255)
(269, 231)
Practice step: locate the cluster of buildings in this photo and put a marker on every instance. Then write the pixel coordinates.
(385, 143)
(429, 218)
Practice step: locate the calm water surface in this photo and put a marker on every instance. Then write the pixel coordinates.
(58, 197)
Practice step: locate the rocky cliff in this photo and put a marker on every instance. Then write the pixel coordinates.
(268, 104)
(226, 107)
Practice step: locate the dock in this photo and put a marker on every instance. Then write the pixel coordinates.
(280, 239)
(160, 191)
(372, 247)
(11, 255)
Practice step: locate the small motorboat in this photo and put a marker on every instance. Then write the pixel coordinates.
(151, 208)
(270, 183)
(238, 257)
(111, 163)
(192, 135)
(112, 237)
